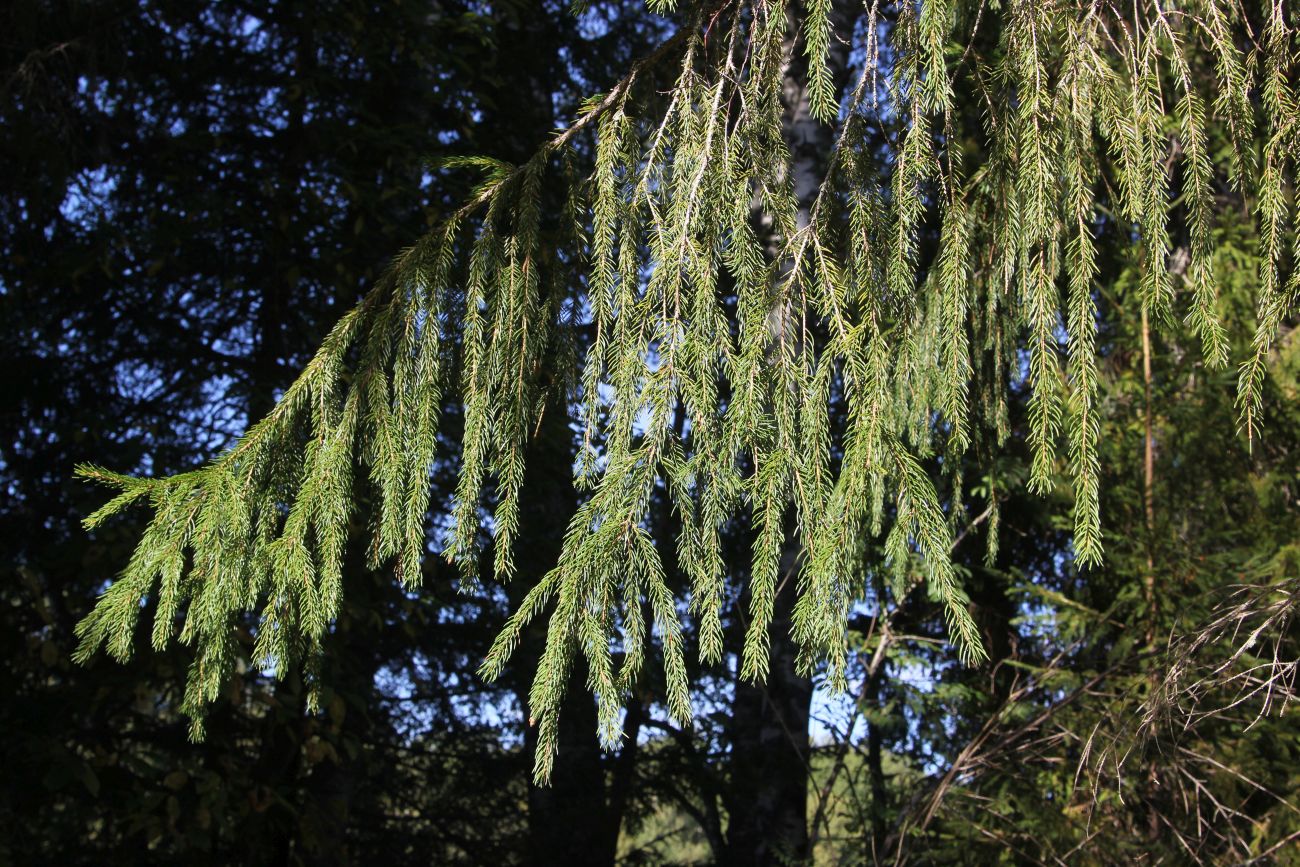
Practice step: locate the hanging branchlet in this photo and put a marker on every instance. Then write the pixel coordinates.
(717, 319)
(1077, 101)
(1278, 295)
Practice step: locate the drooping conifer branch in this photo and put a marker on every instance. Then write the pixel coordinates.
(715, 320)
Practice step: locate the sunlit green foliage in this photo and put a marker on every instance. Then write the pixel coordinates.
(707, 355)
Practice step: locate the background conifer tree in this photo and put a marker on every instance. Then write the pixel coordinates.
(673, 195)
(830, 344)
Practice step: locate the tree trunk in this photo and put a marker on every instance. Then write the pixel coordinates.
(568, 821)
(770, 750)
(770, 746)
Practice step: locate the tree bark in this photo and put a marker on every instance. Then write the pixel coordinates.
(770, 750)
(1148, 481)
(770, 746)
(568, 820)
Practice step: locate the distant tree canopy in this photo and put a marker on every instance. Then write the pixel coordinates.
(193, 193)
(199, 188)
(792, 270)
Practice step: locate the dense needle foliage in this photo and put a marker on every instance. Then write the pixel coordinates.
(796, 358)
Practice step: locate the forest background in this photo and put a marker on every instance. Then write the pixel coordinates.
(192, 195)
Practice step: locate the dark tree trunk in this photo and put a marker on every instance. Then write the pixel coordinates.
(770, 747)
(770, 752)
(273, 828)
(568, 821)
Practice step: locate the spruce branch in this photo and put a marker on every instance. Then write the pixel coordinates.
(751, 344)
